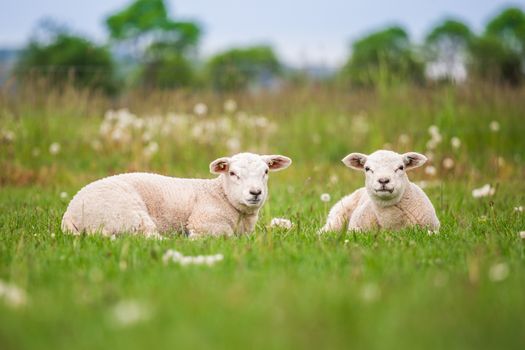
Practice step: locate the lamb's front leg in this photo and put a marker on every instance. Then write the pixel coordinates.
(363, 218)
(341, 212)
(203, 225)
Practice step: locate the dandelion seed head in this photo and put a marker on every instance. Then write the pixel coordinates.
(200, 109)
(448, 163)
(129, 312)
(430, 170)
(325, 197)
(498, 272)
(484, 191)
(404, 139)
(230, 106)
(54, 148)
(281, 223)
(12, 295)
(455, 142)
(370, 292)
(494, 126)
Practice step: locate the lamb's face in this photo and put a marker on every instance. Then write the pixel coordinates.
(385, 172)
(245, 177)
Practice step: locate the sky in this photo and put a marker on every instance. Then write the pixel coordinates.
(302, 32)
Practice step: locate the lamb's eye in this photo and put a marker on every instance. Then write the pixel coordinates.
(232, 173)
(266, 172)
(367, 168)
(401, 167)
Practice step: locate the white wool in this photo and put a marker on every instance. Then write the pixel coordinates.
(151, 204)
(388, 201)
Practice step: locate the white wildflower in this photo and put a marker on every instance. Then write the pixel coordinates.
(230, 106)
(494, 126)
(176, 257)
(7, 136)
(96, 145)
(433, 130)
(448, 163)
(325, 197)
(147, 136)
(360, 124)
(281, 223)
(431, 144)
(138, 124)
(404, 139)
(518, 209)
(54, 148)
(455, 142)
(498, 272)
(117, 135)
(432, 232)
(435, 134)
(151, 149)
(233, 144)
(370, 292)
(430, 170)
(12, 295)
(522, 234)
(261, 122)
(333, 179)
(484, 191)
(129, 312)
(200, 109)
(63, 195)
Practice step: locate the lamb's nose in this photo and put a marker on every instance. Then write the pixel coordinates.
(383, 180)
(255, 192)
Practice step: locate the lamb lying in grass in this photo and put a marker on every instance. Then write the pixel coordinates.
(151, 204)
(388, 201)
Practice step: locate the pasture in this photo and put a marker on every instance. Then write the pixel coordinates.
(277, 288)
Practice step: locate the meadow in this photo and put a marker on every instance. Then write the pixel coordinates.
(278, 288)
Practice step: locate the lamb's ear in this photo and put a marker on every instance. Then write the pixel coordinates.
(277, 162)
(220, 165)
(355, 160)
(413, 160)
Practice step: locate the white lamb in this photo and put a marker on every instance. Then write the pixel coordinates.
(150, 203)
(389, 200)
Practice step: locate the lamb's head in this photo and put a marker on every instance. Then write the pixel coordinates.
(386, 179)
(245, 177)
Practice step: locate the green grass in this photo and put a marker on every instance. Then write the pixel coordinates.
(274, 289)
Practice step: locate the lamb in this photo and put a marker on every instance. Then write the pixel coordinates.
(388, 201)
(150, 204)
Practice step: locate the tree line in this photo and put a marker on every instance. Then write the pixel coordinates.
(149, 48)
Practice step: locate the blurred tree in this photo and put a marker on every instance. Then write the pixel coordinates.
(509, 27)
(447, 46)
(62, 57)
(499, 55)
(383, 57)
(155, 41)
(172, 71)
(237, 68)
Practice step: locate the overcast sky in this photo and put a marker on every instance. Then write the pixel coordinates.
(302, 31)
